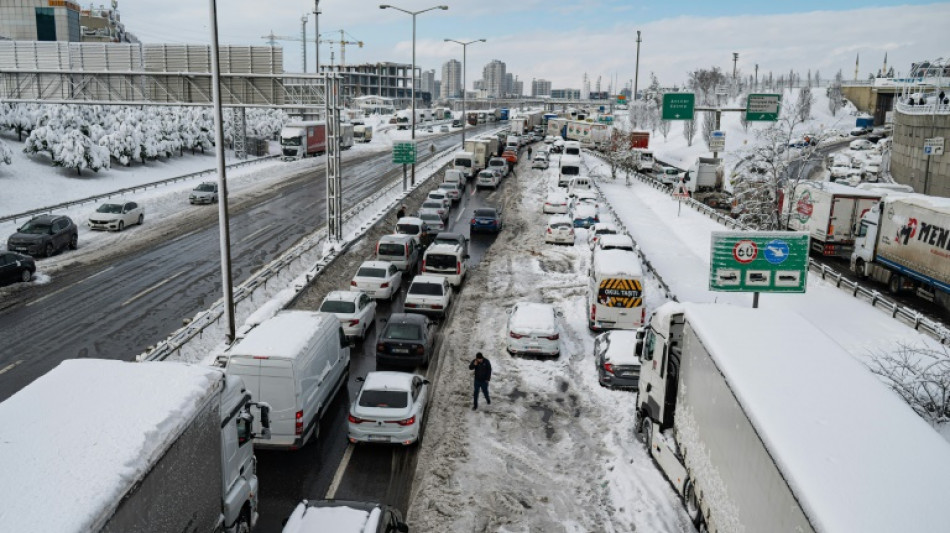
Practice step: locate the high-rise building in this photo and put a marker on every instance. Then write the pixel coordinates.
(517, 88)
(540, 87)
(569, 94)
(451, 79)
(427, 82)
(436, 89)
(60, 20)
(494, 78)
(509, 85)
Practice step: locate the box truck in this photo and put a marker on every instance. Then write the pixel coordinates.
(113, 446)
(761, 422)
(303, 139)
(704, 182)
(362, 133)
(904, 241)
(482, 150)
(829, 212)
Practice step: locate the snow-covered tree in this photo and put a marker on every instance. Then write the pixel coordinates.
(6, 155)
(689, 131)
(77, 151)
(834, 94)
(620, 153)
(921, 376)
(708, 125)
(805, 101)
(664, 127)
(705, 81)
(41, 139)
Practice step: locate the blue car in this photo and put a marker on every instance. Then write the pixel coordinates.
(486, 219)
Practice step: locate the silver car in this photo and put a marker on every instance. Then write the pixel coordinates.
(390, 408)
(206, 193)
(617, 360)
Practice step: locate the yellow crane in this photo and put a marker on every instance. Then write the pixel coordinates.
(342, 42)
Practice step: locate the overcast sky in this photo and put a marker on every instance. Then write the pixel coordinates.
(561, 40)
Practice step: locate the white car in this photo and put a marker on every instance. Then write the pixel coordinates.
(451, 190)
(434, 206)
(585, 197)
(356, 311)
(560, 230)
(441, 196)
(599, 230)
(429, 295)
(532, 330)
(487, 178)
(668, 175)
(540, 161)
(860, 145)
(115, 217)
(433, 220)
(500, 165)
(390, 408)
(556, 202)
(614, 242)
(205, 193)
(379, 279)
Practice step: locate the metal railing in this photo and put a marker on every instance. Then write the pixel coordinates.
(906, 315)
(49, 209)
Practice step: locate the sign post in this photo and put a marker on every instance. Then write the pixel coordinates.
(678, 106)
(758, 261)
(763, 107)
(404, 153)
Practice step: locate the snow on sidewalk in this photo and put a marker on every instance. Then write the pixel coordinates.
(554, 451)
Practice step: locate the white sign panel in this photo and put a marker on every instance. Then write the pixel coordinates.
(717, 141)
(933, 146)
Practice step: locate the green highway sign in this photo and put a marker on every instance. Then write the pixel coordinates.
(763, 107)
(758, 261)
(678, 106)
(404, 153)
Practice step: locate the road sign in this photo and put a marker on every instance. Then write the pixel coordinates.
(678, 106)
(717, 141)
(758, 261)
(933, 146)
(763, 107)
(404, 153)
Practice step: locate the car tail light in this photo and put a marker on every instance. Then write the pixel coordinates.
(608, 367)
(354, 284)
(354, 420)
(593, 312)
(423, 265)
(554, 337)
(514, 335)
(380, 347)
(458, 267)
(420, 350)
(298, 424)
(384, 285)
(407, 422)
(549, 230)
(643, 315)
(377, 248)
(406, 246)
(354, 322)
(436, 306)
(473, 221)
(409, 305)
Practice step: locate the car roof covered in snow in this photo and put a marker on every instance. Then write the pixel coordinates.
(559, 219)
(342, 517)
(616, 262)
(557, 195)
(855, 455)
(615, 239)
(375, 264)
(584, 210)
(532, 317)
(464, 154)
(444, 248)
(621, 346)
(388, 381)
(76, 439)
(286, 335)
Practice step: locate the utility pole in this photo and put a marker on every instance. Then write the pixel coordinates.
(303, 39)
(735, 60)
(756, 76)
(316, 33)
(636, 73)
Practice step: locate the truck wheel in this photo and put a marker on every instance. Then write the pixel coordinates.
(894, 285)
(243, 524)
(692, 503)
(860, 269)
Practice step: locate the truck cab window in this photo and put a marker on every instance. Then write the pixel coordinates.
(649, 343)
(245, 423)
(863, 229)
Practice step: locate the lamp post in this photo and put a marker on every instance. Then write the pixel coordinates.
(464, 49)
(636, 72)
(413, 90)
(316, 33)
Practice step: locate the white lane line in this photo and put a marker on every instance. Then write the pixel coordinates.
(461, 212)
(255, 234)
(338, 476)
(54, 293)
(150, 289)
(11, 366)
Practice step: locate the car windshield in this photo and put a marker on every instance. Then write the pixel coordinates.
(336, 306)
(430, 217)
(570, 171)
(395, 399)
(497, 163)
(426, 289)
(489, 213)
(109, 208)
(290, 141)
(463, 163)
(408, 229)
(36, 228)
(392, 248)
(403, 332)
(606, 231)
(370, 272)
(205, 187)
(561, 225)
(486, 174)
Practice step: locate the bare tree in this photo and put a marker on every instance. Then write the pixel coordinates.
(689, 131)
(744, 120)
(834, 94)
(708, 125)
(805, 101)
(921, 376)
(664, 127)
(705, 81)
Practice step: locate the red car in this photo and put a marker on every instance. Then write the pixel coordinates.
(510, 156)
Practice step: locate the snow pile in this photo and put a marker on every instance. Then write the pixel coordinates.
(75, 440)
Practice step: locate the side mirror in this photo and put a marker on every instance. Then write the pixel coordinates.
(402, 527)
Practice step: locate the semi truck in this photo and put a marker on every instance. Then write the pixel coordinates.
(828, 212)
(303, 139)
(704, 182)
(362, 133)
(904, 242)
(114, 446)
(761, 422)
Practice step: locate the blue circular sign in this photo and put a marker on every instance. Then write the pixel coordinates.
(776, 252)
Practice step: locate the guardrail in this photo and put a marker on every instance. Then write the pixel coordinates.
(48, 209)
(204, 319)
(906, 315)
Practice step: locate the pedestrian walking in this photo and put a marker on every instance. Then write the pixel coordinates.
(401, 213)
(482, 368)
(529, 152)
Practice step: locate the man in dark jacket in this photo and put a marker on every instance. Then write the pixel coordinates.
(482, 368)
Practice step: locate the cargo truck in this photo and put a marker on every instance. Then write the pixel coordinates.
(640, 139)
(704, 182)
(347, 136)
(303, 139)
(482, 150)
(362, 133)
(828, 212)
(761, 423)
(904, 242)
(113, 446)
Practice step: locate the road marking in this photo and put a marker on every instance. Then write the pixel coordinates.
(54, 293)
(338, 476)
(150, 289)
(251, 236)
(11, 366)
(461, 212)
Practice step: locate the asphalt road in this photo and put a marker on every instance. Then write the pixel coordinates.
(116, 307)
(372, 472)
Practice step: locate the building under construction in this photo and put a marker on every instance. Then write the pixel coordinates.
(390, 80)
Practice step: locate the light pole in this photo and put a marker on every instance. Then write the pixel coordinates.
(464, 49)
(316, 32)
(636, 73)
(413, 90)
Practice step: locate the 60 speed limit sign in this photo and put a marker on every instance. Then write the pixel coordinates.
(745, 251)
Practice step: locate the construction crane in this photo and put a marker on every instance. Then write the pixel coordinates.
(272, 39)
(342, 42)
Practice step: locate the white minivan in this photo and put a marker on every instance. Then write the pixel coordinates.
(296, 362)
(570, 166)
(579, 183)
(615, 291)
(446, 260)
(464, 162)
(572, 148)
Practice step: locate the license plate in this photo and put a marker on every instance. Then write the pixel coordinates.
(378, 438)
(400, 350)
(481, 221)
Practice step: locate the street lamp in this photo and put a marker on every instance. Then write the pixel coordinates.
(464, 48)
(413, 90)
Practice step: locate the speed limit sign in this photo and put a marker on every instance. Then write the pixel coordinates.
(745, 251)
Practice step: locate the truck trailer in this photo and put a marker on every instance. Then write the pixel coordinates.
(303, 139)
(904, 241)
(482, 150)
(761, 422)
(828, 212)
(113, 446)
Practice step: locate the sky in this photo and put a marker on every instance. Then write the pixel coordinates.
(560, 40)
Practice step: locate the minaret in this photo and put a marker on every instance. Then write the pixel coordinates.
(857, 57)
(884, 70)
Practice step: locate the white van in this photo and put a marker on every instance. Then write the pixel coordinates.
(296, 362)
(572, 148)
(464, 162)
(400, 250)
(579, 183)
(615, 291)
(446, 260)
(453, 175)
(569, 167)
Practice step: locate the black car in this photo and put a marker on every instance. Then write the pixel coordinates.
(44, 235)
(343, 516)
(16, 267)
(406, 340)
